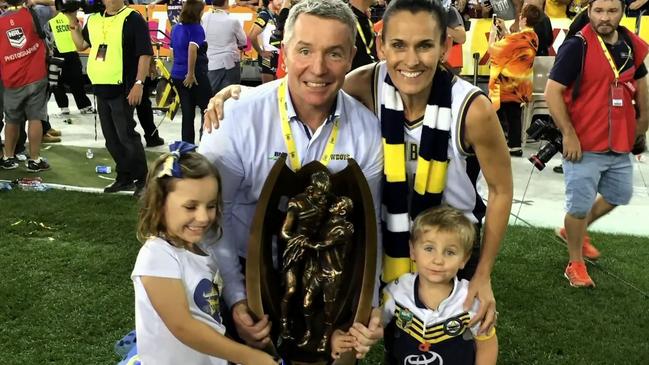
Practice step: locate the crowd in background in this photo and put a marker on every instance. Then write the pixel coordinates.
(219, 40)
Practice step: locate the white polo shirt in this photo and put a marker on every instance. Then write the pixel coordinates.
(248, 143)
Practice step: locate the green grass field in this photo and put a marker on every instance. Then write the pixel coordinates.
(66, 296)
(71, 167)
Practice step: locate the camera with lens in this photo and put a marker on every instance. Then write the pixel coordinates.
(545, 130)
(88, 6)
(54, 65)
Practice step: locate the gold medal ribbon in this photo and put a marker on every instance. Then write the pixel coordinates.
(288, 135)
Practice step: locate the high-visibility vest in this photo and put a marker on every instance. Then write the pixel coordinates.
(60, 26)
(106, 33)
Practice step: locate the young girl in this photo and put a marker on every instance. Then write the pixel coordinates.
(177, 286)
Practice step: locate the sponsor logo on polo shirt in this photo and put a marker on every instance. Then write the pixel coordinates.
(427, 358)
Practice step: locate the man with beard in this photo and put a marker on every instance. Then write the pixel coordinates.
(595, 79)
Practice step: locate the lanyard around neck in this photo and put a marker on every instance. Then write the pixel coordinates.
(288, 135)
(616, 71)
(107, 22)
(368, 46)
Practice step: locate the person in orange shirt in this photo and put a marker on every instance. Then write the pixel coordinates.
(510, 82)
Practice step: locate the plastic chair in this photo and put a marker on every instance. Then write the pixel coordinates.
(537, 104)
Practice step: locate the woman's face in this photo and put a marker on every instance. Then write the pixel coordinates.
(412, 49)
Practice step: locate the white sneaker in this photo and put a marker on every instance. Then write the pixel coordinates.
(87, 110)
(21, 157)
(63, 113)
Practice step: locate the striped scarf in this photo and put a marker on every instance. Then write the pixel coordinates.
(432, 163)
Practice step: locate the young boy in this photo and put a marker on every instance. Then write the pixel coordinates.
(422, 312)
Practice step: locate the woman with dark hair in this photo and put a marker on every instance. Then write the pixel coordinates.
(189, 71)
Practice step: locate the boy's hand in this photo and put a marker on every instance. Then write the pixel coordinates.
(480, 288)
(365, 337)
(341, 342)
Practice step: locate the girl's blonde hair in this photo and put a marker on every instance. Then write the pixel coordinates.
(151, 220)
(445, 219)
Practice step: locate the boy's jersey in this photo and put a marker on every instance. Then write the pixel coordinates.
(415, 334)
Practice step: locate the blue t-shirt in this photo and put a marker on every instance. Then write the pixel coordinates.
(181, 36)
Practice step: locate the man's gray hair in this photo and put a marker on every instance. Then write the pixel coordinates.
(328, 9)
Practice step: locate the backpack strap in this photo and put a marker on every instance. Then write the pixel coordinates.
(577, 84)
(37, 24)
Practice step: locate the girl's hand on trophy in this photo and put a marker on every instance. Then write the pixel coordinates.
(341, 342)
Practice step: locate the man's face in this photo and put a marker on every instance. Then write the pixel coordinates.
(112, 5)
(605, 16)
(275, 5)
(317, 57)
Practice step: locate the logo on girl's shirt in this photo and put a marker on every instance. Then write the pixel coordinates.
(207, 298)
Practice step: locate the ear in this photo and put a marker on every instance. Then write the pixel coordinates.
(284, 54)
(351, 58)
(412, 251)
(380, 50)
(466, 259)
(443, 56)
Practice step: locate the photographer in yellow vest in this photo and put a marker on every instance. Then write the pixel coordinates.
(118, 63)
(70, 70)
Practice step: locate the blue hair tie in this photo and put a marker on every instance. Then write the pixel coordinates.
(170, 166)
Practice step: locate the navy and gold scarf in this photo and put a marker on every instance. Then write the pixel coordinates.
(430, 177)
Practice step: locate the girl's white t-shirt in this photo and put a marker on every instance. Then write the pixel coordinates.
(200, 277)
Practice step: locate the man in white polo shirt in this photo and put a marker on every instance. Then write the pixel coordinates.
(318, 50)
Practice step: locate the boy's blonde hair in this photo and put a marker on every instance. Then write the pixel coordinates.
(444, 219)
(151, 220)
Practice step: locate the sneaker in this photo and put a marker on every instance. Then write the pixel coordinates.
(48, 138)
(139, 190)
(515, 152)
(577, 275)
(64, 112)
(8, 163)
(587, 248)
(21, 156)
(37, 166)
(53, 132)
(119, 185)
(87, 110)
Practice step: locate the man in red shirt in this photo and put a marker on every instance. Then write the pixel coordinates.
(594, 109)
(24, 75)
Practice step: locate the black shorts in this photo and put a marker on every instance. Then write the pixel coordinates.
(268, 66)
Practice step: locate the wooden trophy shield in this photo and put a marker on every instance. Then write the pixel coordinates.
(265, 279)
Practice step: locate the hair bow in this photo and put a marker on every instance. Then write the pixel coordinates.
(171, 167)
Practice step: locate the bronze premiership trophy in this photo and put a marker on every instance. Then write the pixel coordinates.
(312, 258)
